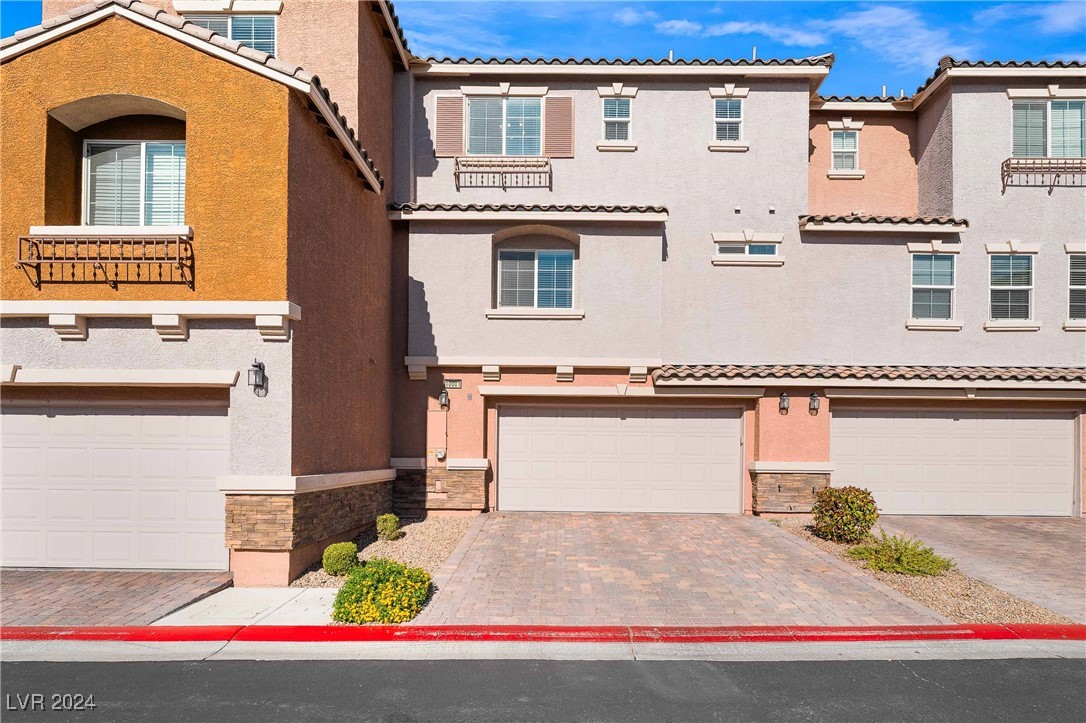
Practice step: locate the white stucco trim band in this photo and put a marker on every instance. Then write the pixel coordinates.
(741, 260)
(453, 464)
(1012, 325)
(845, 175)
(933, 325)
(291, 485)
(818, 382)
(124, 377)
(526, 313)
(618, 390)
(791, 467)
(189, 309)
(1051, 91)
(521, 216)
(1074, 325)
(732, 147)
(84, 231)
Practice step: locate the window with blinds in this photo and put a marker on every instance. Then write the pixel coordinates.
(728, 116)
(535, 279)
(747, 249)
(933, 286)
(616, 119)
(505, 126)
(1077, 281)
(846, 150)
(255, 31)
(1011, 287)
(1030, 123)
(1068, 128)
(134, 184)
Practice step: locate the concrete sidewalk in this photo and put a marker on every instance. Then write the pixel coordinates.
(258, 606)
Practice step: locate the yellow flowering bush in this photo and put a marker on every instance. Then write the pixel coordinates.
(381, 591)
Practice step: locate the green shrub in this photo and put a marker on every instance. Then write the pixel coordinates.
(907, 556)
(340, 558)
(388, 527)
(844, 514)
(381, 591)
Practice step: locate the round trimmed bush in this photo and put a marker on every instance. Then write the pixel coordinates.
(340, 558)
(381, 591)
(388, 527)
(844, 514)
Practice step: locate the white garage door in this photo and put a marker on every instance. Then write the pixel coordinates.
(956, 462)
(114, 487)
(619, 459)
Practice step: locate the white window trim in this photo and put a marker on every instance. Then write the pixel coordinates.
(739, 146)
(1047, 100)
(511, 311)
(616, 90)
(232, 14)
(951, 324)
(746, 238)
(504, 98)
(1051, 92)
(1073, 324)
(212, 7)
(1028, 324)
(84, 192)
(840, 173)
(626, 145)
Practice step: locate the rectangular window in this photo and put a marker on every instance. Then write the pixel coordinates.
(846, 150)
(747, 249)
(1068, 128)
(933, 286)
(1077, 281)
(1030, 121)
(616, 119)
(134, 184)
(255, 31)
(1011, 287)
(729, 119)
(505, 126)
(535, 279)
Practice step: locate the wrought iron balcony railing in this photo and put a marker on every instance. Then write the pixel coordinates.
(502, 172)
(1043, 172)
(109, 259)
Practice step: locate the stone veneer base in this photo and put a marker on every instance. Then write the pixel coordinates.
(419, 491)
(787, 491)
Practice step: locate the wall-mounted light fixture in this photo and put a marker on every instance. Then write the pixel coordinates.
(443, 399)
(257, 377)
(814, 403)
(784, 403)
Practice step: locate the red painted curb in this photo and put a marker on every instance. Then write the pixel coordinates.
(549, 634)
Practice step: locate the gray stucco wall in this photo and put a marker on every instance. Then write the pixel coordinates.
(260, 442)
(935, 156)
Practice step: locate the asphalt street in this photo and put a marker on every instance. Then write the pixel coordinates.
(933, 690)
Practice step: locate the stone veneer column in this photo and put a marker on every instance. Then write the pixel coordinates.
(437, 488)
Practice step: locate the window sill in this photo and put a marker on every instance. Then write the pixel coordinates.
(738, 260)
(933, 325)
(111, 231)
(1074, 325)
(617, 147)
(845, 175)
(1012, 325)
(527, 313)
(729, 147)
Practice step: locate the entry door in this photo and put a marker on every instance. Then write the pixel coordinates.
(619, 459)
(114, 487)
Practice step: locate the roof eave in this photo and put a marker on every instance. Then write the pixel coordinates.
(837, 382)
(542, 215)
(427, 69)
(882, 227)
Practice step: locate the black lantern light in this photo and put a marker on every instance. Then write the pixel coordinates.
(256, 375)
(784, 403)
(813, 405)
(443, 399)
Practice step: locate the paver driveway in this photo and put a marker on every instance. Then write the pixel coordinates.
(100, 597)
(647, 569)
(1040, 559)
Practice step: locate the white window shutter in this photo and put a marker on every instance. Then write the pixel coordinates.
(449, 126)
(558, 127)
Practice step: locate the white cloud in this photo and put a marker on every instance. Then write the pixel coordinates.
(896, 34)
(456, 29)
(782, 34)
(679, 27)
(1057, 18)
(630, 16)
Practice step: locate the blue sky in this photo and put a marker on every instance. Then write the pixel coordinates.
(876, 43)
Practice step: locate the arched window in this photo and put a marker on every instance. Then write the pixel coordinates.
(535, 268)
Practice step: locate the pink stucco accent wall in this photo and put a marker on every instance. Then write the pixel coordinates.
(797, 436)
(887, 156)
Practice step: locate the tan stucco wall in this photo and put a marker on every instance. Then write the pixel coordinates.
(887, 156)
(236, 133)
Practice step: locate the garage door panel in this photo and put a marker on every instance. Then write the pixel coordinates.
(122, 486)
(628, 459)
(957, 462)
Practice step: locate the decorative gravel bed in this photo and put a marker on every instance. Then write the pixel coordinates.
(426, 543)
(961, 598)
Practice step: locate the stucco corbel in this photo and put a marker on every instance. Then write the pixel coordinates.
(416, 372)
(639, 375)
(563, 374)
(170, 327)
(273, 327)
(845, 124)
(492, 373)
(70, 327)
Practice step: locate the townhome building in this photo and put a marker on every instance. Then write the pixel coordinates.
(196, 272)
(245, 307)
(700, 286)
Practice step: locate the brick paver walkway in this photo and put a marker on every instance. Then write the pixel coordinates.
(647, 569)
(100, 597)
(1040, 559)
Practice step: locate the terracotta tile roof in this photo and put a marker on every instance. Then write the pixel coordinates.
(816, 61)
(396, 24)
(545, 207)
(766, 372)
(947, 62)
(861, 98)
(874, 220)
(159, 15)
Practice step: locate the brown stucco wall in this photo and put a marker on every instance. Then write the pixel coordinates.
(887, 155)
(236, 131)
(340, 252)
